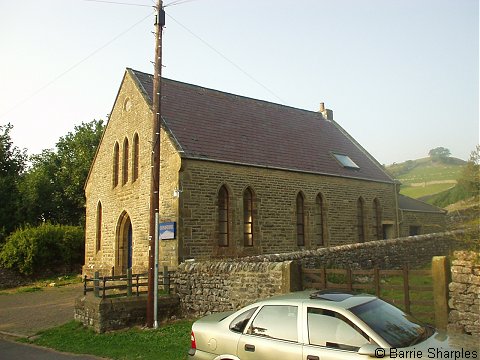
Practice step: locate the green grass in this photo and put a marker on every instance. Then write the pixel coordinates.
(170, 341)
(420, 191)
(39, 285)
(397, 296)
(29, 289)
(431, 173)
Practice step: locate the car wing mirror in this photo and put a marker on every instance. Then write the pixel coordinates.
(372, 350)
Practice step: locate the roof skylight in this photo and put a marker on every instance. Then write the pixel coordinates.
(345, 161)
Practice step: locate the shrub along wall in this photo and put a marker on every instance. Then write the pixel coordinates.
(206, 287)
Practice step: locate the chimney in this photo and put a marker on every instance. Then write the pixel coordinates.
(326, 113)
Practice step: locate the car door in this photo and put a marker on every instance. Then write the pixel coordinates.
(330, 335)
(273, 334)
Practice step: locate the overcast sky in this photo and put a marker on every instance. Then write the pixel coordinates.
(402, 77)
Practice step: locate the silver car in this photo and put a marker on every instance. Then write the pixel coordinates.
(318, 325)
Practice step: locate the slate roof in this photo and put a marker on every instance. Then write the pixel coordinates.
(218, 126)
(410, 204)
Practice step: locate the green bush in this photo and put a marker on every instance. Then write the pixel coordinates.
(35, 250)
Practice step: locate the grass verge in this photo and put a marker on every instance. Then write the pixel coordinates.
(170, 342)
(39, 285)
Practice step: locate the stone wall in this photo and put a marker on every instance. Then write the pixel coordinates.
(223, 286)
(206, 287)
(428, 222)
(465, 293)
(122, 204)
(414, 251)
(118, 313)
(274, 209)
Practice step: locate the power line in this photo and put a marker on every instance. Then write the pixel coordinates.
(73, 66)
(226, 58)
(177, 2)
(118, 3)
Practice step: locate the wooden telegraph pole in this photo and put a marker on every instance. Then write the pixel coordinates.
(155, 161)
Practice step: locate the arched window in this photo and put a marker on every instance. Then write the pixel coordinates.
(135, 157)
(125, 162)
(116, 163)
(320, 221)
(223, 210)
(377, 220)
(360, 220)
(248, 217)
(300, 221)
(98, 237)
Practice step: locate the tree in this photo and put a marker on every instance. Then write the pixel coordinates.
(470, 178)
(439, 154)
(12, 164)
(53, 189)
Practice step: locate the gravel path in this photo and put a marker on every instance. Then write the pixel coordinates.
(24, 314)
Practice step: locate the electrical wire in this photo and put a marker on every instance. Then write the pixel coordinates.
(118, 3)
(36, 92)
(177, 2)
(226, 58)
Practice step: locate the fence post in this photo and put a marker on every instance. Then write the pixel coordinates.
(376, 279)
(324, 277)
(349, 279)
(104, 286)
(406, 289)
(137, 277)
(440, 290)
(129, 282)
(166, 280)
(96, 283)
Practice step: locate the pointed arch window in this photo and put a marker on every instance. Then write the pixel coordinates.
(377, 220)
(116, 163)
(125, 162)
(300, 220)
(360, 220)
(135, 158)
(98, 235)
(223, 217)
(248, 217)
(320, 221)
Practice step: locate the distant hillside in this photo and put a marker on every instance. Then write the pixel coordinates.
(423, 178)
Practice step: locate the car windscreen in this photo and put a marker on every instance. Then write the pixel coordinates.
(392, 324)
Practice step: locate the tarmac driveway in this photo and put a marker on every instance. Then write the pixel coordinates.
(24, 314)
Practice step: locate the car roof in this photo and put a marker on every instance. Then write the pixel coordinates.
(325, 298)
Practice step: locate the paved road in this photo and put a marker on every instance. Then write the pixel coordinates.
(15, 351)
(27, 313)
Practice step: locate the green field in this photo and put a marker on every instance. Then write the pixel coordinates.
(424, 177)
(427, 190)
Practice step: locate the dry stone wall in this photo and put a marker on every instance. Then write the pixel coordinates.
(223, 286)
(206, 287)
(465, 293)
(386, 254)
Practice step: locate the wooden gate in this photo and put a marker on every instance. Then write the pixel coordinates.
(414, 291)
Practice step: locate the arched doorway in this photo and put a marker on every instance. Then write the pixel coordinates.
(123, 253)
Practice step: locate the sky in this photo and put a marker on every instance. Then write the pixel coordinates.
(401, 76)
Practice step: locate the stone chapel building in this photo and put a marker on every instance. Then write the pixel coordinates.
(238, 177)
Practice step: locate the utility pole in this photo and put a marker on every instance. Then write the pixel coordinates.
(155, 160)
